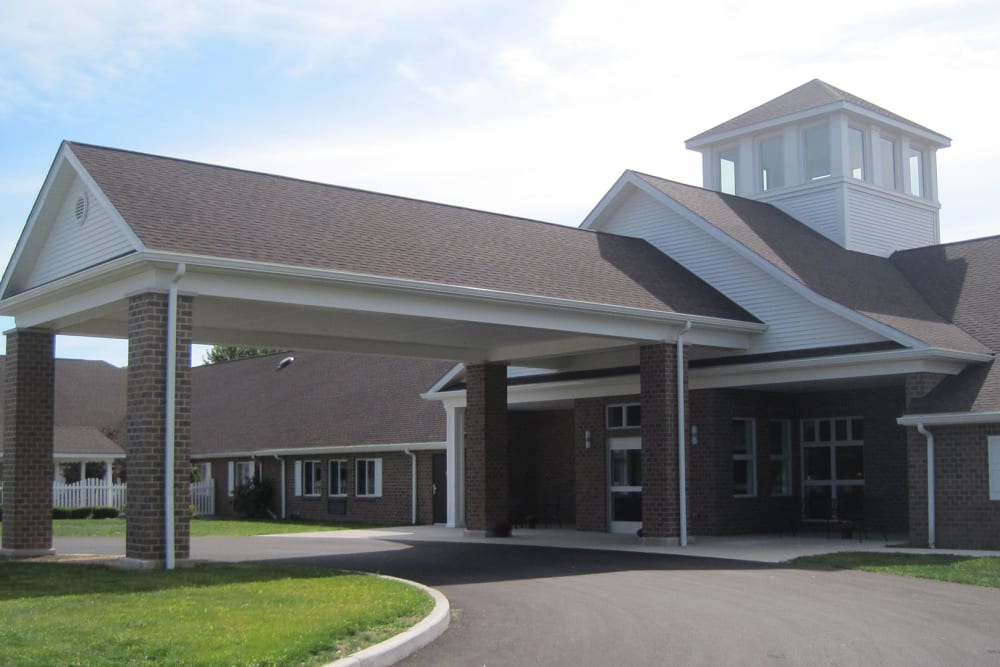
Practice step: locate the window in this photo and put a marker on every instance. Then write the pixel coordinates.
(308, 478)
(241, 472)
(202, 471)
(779, 435)
(772, 163)
(369, 479)
(817, 152)
(338, 478)
(624, 416)
(993, 444)
(728, 169)
(856, 150)
(886, 176)
(915, 158)
(833, 467)
(744, 459)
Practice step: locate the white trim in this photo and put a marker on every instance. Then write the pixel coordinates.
(370, 493)
(950, 418)
(455, 371)
(329, 449)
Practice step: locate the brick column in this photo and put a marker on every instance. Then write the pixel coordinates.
(147, 380)
(29, 400)
(918, 385)
(658, 381)
(486, 473)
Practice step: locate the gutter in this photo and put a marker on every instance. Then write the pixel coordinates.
(413, 486)
(681, 435)
(171, 410)
(930, 483)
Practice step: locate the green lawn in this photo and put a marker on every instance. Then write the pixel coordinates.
(199, 527)
(942, 567)
(246, 614)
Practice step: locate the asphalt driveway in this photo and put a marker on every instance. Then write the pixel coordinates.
(525, 605)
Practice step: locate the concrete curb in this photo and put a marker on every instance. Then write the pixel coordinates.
(396, 648)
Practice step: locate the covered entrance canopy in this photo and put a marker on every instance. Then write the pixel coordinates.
(166, 252)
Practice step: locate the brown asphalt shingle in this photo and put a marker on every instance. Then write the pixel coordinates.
(320, 400)
(961, 282)
(871, 285)
(810, 95)
(198, 209)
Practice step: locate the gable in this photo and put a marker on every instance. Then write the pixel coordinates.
(794, 322)
(72, 227)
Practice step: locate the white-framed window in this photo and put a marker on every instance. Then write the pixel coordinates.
(772, 162)
(816, 148)
(241, 472)
(308, 478)
(993, 456)
(779, 435)
(626, 415)
(728, 165)
(915, 162)
(886, 175)
(369, 478)
(856, 153)
(204, 471)
(744, 458)
(338, 477)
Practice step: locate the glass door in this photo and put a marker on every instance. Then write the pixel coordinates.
(625, 484)
(833, 470)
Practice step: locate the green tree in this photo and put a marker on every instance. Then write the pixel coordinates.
(220, 353)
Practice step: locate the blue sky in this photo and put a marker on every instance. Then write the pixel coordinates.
(531, 108)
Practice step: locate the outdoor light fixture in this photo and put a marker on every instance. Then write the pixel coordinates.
(694, 434)
(586, 439)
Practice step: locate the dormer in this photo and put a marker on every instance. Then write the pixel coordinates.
(855, 172)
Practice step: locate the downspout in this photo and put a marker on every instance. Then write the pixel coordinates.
(413, 486)
(930, 484)
(282, 460)
(171, 410)
(682, 435)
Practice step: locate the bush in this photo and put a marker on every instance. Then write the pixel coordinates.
(81, 512)
(252, 498)
(62, 512)
(105, 513)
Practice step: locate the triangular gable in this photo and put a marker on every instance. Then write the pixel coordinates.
(72, 226)
(847, 322)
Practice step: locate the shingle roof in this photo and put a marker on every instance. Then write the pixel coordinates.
(961, 281)
(198, 209)
(84, 440)
(870, 285)
(810, 95)
(320, 400)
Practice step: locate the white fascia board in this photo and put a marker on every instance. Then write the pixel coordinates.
(86, 457)
(838, 367)
(445, 379)
(620, 385)
(326, 450)
(950, 419)
(102, 198)
(795, 285)
(606, 202)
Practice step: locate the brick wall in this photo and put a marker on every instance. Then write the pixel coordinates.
(541, 464)
(660, 500)
(591, 463)
(486, 463)
(145, 527)
(965, 516)
(28, 441)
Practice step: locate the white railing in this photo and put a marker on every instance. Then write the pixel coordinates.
(203, 497)
(97, 493)
(88, 493)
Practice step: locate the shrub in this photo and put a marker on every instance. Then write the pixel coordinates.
(251, 498)
(105, 513)
(62, 512)
(81, 512)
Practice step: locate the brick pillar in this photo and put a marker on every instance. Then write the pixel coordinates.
(486, 473)
(658, 381)
(29, 400)
(918, 385)
(147, 381)
(591, 464)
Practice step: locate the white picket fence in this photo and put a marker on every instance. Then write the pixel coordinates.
(95, 492)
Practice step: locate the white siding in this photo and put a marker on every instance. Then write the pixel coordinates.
(819, 208)
(794, 322)
(881, 223)
(72, 246)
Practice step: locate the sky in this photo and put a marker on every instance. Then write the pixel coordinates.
(531, 108)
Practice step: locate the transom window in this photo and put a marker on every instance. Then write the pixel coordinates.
(627, 415)
(369, 477)
(744, 458)
(338, 477)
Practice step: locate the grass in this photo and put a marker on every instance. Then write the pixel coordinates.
(245, 614)
(942, 567)
(199, 527)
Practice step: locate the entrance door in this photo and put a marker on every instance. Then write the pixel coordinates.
(833, 472)
(439, 488)
(625, 484)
